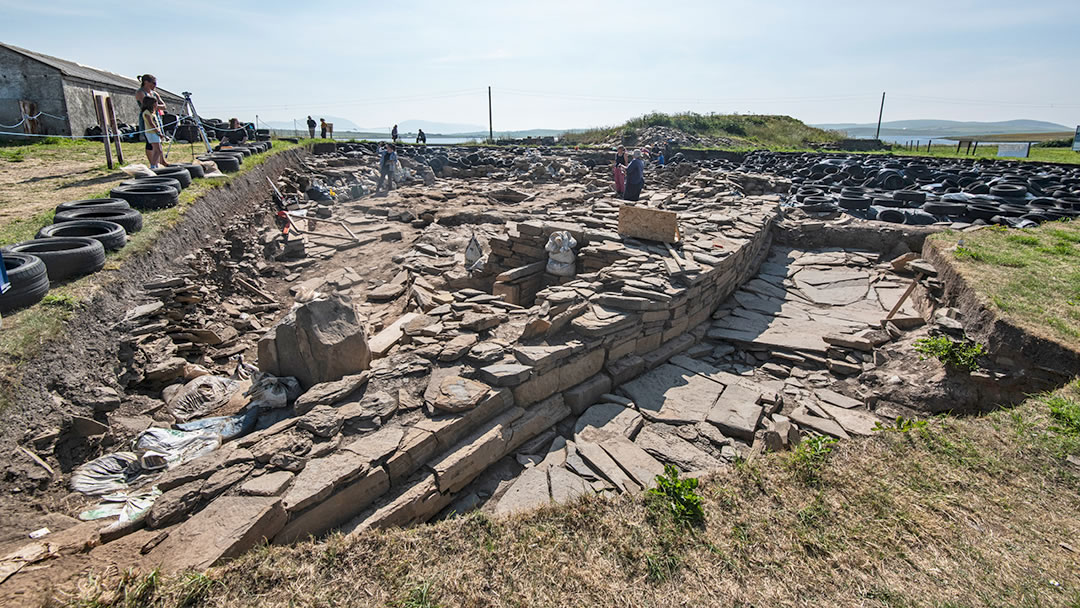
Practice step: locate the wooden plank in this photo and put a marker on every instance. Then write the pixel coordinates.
(649, 224)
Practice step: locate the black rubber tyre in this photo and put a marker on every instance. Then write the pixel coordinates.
(176, 172)
(853, 203)
(227, 163)
(29, 281)
(982, 212)
(166, 181)
(944, 208)
(193, 169)
(93, 203)
(1009, 190)
(65, 257)
(147, 196)
(111, 235)
(130, 219)
(910, 196)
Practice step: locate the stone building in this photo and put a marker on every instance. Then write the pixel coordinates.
(34, 82)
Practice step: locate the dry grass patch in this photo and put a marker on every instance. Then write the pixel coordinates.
(957, 512)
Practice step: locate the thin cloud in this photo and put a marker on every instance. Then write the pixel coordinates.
(496, 55)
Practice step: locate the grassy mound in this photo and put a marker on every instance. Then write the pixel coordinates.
(743, 130)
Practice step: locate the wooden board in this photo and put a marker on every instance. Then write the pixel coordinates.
(649, 224)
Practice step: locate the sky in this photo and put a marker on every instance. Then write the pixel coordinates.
(579, 63)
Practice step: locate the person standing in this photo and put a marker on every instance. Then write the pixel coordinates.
(635, 177)
(620, 171)
(387, 162)
(311, 127)
(393, 134)
(147, 87)
(322, 128)
(154, 132)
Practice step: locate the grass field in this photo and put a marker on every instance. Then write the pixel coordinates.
(1031, 276)
(989, 151)
(947, 513)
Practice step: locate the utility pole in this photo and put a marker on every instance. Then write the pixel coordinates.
(294, 133)
(877, 135)
(491, 129)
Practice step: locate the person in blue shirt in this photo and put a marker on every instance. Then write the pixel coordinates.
(635, 177)
(387, 161)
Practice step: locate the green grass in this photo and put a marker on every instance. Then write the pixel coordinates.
(980, 511)
(959, 355)
(1032, 276)
(748, 131)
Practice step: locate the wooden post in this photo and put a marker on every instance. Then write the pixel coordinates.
(111, 114)
(1028, 154)
(968, 151)
(491, 128)
(958, 146)
(877, 134)
(99, 108)
(928, 142)
(976, 148)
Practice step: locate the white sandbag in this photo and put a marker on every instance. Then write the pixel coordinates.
(107, 474)
(270, 392)
(138, 170)
(562, 261)
(176, 446)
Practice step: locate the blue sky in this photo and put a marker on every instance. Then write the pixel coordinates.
(557, 64)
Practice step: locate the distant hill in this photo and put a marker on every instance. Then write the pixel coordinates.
(738, 130)
(944, 128)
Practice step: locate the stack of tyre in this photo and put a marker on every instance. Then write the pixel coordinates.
(82, 231)
(928, 191)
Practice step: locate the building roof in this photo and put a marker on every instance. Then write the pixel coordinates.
(86, 73)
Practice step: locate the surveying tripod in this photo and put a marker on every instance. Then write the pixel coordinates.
(189, 107)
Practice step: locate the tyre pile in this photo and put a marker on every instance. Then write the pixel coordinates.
(84, 230)
(926, 191)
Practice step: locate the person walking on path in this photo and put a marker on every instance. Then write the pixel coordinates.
(311, 127)
(620, 171)
(387, 163)
(420, 137)
(154, 132)
(393, 134)
(147, 88)
(322, 128)
(635, 177)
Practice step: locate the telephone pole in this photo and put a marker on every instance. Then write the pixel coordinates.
(877, 135)
(491, 129)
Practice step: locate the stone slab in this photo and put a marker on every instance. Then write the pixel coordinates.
(672, 394)
(226, 528)
(529, 490)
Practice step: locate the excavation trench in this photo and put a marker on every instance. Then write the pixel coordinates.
(505, 387)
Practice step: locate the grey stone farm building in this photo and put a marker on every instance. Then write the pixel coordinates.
(42, 83)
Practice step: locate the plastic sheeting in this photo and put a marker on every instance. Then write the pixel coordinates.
(177, 446)
(228, 427)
